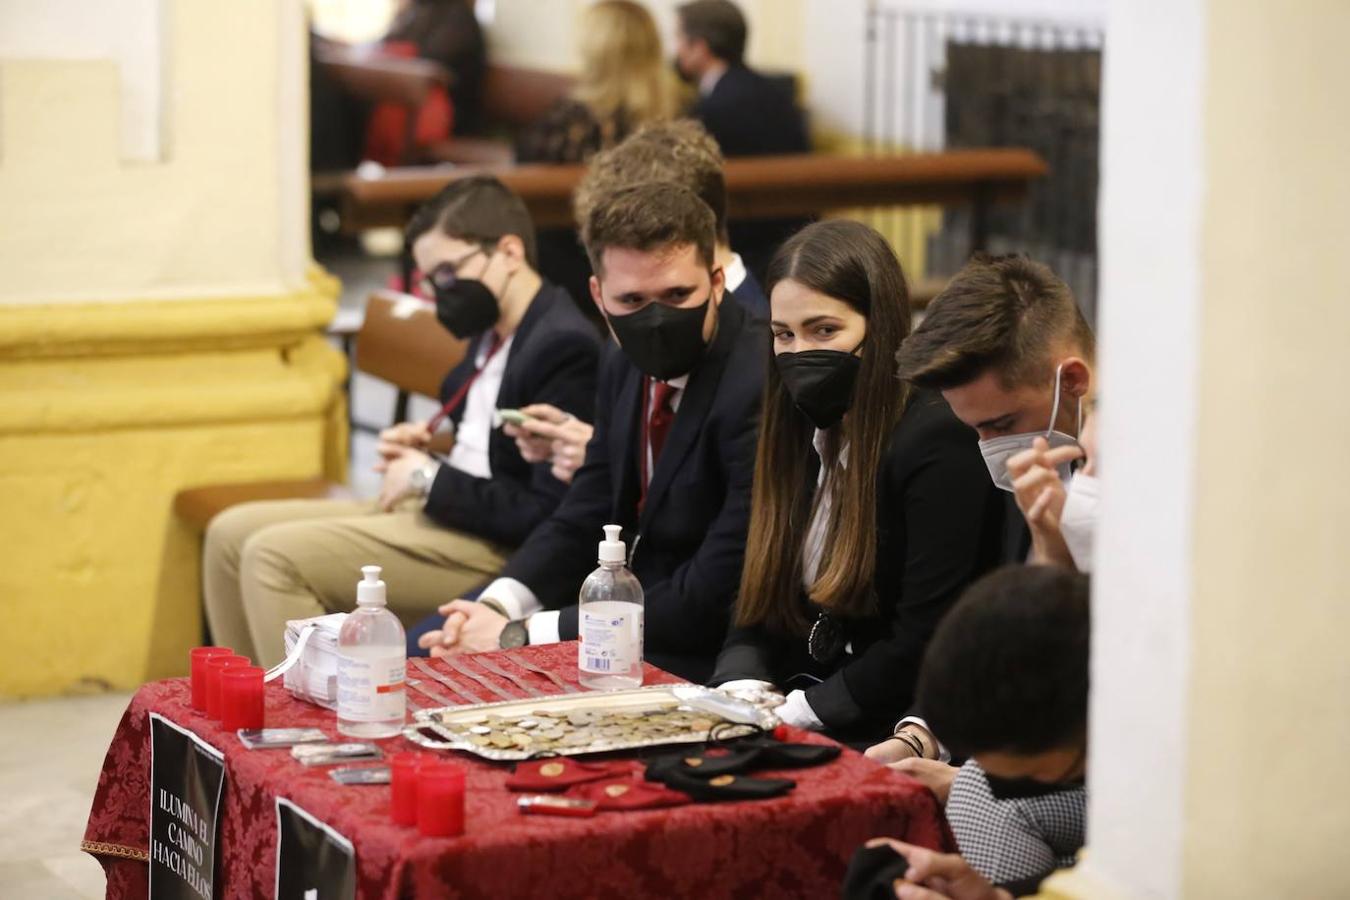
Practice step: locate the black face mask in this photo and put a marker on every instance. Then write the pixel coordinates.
(1026, 788)
(820, 382)
(466, 307)
(663, 341)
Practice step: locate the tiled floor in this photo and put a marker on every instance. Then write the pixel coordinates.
(50, 755)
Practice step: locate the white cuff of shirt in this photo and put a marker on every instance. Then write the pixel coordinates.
(543, 627)
(796, 711)
(744, 684)
(944, 755)
(518, 600)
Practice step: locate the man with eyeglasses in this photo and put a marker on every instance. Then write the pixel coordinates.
(440, 525)
(672, 456)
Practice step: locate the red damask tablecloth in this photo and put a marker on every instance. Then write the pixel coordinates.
(793, 846)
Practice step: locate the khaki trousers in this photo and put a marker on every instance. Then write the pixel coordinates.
(271, 561)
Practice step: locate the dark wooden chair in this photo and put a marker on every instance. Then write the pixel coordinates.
(400, 342)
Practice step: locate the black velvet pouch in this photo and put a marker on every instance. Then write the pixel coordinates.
(704, 764)
(776, 754)
(726, 787)
(872, 873)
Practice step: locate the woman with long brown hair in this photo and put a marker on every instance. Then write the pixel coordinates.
(872, 507)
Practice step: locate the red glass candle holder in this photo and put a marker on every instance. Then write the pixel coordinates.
(198, 658)
(214, 665)
(403, 769)
(241, 697)
(440, 799)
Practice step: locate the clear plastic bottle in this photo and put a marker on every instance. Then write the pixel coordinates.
(610, 620)
(372, 664)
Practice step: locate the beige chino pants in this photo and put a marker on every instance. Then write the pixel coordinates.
(271, 561)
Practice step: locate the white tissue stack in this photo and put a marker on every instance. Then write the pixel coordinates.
(313, 675)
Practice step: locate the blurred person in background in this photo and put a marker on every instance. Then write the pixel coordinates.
(623, 84)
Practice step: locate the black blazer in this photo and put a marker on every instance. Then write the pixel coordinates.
(750, 295)
(750, 115)
(553, 359)
(939, 526)
(693, 525)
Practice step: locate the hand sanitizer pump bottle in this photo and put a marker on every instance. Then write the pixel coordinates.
(372, 663)
(610, 620)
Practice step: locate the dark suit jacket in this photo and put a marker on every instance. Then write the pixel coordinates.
(750, 115)
(939, 527)
(553, 359)
(750, 295)
(693, 525)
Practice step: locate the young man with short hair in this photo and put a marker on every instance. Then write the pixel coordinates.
(680, 152)
(438, 524)
(1007, 346)
(672, 456)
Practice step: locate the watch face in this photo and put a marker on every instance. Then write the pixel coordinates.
(515, 634)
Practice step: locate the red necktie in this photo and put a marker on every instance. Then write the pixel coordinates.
(658, 426)
(655, 429)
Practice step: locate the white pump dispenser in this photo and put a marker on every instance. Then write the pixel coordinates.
(372, 664)
(609, 617)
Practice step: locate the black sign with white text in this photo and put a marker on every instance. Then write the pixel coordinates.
(314, 861)
(186, 778)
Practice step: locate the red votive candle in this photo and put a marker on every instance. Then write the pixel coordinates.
(214, 665)
(198, 657)
(440, 799)
(241, 697)
(403, 769)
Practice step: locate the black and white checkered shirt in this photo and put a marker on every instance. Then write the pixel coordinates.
(1010, 841)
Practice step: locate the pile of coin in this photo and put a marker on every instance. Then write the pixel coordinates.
(544, 730)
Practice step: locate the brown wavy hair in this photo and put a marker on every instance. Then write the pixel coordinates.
(852, 263)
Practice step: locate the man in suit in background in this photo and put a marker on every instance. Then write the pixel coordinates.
(672, 458)
(747, 113)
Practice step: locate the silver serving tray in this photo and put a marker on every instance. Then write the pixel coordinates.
(705, 700)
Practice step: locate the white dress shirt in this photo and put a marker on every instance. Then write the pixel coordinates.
(470, 453)
(734, 272)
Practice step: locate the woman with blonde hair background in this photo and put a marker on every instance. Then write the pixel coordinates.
(624, 83)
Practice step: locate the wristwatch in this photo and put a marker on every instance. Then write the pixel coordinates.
(515, 634)
(419, 480)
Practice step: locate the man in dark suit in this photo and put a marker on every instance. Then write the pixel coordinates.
(747, 113)
(681, 152)
(437, 521)
(672, 457)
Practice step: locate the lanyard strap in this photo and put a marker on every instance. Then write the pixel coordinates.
(458, 397)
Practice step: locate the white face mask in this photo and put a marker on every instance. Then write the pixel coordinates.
(1078, 521)
(997, 451)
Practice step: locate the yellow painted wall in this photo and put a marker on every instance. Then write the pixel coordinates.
(160, 328)
(1266, 810)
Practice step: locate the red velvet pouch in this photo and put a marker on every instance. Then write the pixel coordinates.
(559, 773)
(628, 793)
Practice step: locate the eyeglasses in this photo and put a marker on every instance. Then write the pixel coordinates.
(444, 275)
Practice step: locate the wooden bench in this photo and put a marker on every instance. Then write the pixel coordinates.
(400, 342)
(768, 187)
